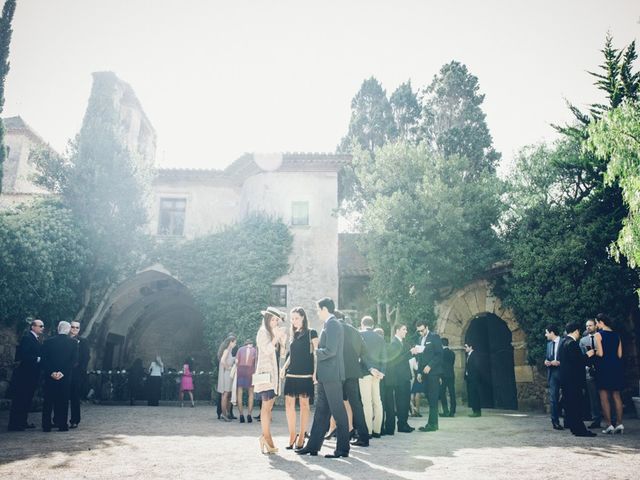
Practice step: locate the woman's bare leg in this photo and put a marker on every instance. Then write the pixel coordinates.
(265, 421)
(290, 410)
(305, 413)
(606, 408)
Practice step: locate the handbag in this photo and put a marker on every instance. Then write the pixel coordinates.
(258, 378)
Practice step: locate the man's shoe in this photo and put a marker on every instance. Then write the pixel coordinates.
(30, 425)
(307, 451)
(405, 429)
(337, 454)
(428, 428)
(249, 419)
(475, 414)
(376, 435)
(595, 425)
(585, 434)
(46, 429)
(63, 429)
(73, 425)
(557, 426)
(360, 443)
(11, 428)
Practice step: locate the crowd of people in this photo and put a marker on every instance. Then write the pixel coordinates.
(364, 387)
(585, 361)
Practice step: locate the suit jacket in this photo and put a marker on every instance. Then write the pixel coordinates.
(80, 367)
(572, 363)
(27, 355)
(448, 362)
(472, 368)
(375, 352)
(398, 369)
(550, 356)
(330, 352)
(59, 354)
(432, 354)
(353, 351)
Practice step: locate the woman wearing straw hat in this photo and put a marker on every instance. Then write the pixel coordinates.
(266, 381)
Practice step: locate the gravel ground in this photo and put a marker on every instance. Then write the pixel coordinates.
(170, 442)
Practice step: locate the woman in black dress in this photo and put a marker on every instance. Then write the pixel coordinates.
(300, 375)
(609, 372)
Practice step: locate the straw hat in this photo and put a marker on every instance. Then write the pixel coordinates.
(275, 312)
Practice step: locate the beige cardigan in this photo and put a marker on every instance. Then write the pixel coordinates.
(267, 362)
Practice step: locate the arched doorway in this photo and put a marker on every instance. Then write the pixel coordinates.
(151, 313)
(492, 343)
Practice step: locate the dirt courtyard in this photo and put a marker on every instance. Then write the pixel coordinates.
(169, 442)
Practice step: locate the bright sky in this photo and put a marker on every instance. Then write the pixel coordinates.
(217, 78)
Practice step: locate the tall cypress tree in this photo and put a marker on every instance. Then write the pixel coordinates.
(5, 40)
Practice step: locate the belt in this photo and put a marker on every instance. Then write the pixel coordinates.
(292, 375)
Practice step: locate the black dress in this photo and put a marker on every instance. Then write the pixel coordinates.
(299, 374)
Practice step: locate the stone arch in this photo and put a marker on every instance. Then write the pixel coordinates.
(149, 313)
(455, 315)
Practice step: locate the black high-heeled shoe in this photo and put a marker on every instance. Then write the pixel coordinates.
(290, 447)
(331, 434)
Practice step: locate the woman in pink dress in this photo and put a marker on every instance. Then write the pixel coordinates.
(186, 382)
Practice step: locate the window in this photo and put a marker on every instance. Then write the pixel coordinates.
(279, 295)
(171, 218)
(300, 213)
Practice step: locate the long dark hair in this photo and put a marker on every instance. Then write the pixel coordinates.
(189, 361)
(225, 343)
(305, 322)
(266, 322)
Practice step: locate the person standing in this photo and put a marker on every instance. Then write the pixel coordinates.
(373, 369)
(572, 363)
(156, 369)
(609, 372)
(448, 380)
(186, 381)
(79, 374)
(398, 382)
(588, 342)
(25, 377)
(418, 389)
(299, 374)
(136, 378)
(268, 337)
(472, 377)
(225, 378)
(59, 354)
(430, 368)
(330, 374)
(246, 367)
(354, 350)
(553, 373)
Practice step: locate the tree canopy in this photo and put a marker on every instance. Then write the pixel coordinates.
(8, 10)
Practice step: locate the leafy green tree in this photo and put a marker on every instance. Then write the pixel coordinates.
(42, 257)
(616, 136)
(372, 124)
(5, 40)
(426, 225)
(230, 273)
(105, 186)
(564, 218)
(406, 112)
(453, 122)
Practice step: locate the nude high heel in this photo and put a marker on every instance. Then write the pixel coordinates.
(265, 446)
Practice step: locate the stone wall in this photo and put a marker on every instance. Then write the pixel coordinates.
(8, 343)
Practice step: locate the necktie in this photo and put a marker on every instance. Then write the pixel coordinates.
(593, 343)
(555, 350)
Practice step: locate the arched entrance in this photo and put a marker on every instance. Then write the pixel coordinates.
(475, 311)
(149, 314)
(491, 340)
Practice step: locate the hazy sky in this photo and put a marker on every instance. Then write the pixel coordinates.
(217, 78)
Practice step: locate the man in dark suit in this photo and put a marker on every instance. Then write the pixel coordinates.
(78, 375)
(472, 377)
(552, 334)
(373, 368)
(330, 374)
(430, 369)
(354, 351)
(588, 342)
(398, 382)
(59, 354)
(448, 380)
(25, 377)
(572, 365)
